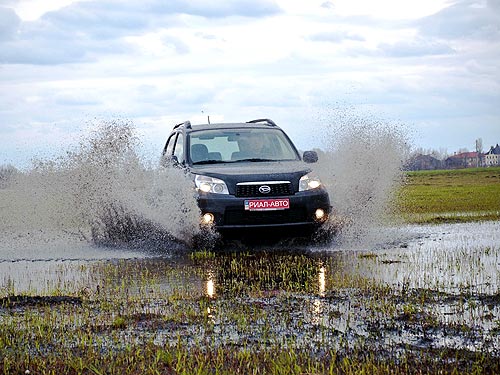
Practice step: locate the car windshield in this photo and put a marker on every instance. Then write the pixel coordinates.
(238, 145)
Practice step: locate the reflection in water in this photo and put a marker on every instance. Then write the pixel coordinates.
(318, 303)
(321, 280)
(210, 286)
(210, 293)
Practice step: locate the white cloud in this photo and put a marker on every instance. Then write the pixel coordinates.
(335, 36)
(416, 47)
(465, 19)
(9, 23)
(30, 10)
(390, 9)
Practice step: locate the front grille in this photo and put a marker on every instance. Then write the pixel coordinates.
(246, 190)
(239, 216)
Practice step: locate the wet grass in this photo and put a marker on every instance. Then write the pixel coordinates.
(451, 195)
(263, 312)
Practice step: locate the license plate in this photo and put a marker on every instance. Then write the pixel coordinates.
(267, 204)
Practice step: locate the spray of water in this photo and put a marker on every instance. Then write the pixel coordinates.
(362, 169)
(101, 192)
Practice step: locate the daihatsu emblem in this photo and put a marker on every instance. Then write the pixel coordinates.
(264, 189)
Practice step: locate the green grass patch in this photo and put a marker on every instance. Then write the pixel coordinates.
(451, 195)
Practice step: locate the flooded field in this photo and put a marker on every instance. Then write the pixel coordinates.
(430, 293)
(102, 270)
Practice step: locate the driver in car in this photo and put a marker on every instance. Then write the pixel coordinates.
(255, 146)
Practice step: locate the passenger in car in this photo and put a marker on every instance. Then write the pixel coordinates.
(253, 146)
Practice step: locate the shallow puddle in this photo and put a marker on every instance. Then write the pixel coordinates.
(452, 258)
(423, 287)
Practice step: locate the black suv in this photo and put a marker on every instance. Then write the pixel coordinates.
(248, 175)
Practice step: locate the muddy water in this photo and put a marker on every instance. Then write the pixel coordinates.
(102, 201)
(443, 284)
(452, 258)
(101, 192)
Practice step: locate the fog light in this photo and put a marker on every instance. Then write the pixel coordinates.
(207, 218)
(320, 214)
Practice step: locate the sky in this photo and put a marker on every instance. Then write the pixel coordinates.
(432, 66)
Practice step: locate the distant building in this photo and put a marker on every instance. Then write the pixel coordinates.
(492, 157)
(423, 162)
(464, 160)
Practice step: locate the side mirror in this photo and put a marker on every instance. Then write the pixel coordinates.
(310, 156)
(169, 161)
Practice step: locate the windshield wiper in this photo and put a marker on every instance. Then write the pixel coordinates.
(201, 162)
(210, 162)
(256, 159)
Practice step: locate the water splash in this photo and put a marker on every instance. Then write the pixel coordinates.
(101, 192)
(362, 169)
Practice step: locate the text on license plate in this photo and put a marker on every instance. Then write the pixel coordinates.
(267, 204)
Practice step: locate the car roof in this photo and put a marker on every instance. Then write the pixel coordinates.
(231, 125)
(253, 124)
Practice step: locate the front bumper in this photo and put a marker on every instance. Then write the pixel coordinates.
(229, 211)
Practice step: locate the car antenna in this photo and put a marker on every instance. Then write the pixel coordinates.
(208, 116)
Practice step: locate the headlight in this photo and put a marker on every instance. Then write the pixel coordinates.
(307, 183)
(210, 185)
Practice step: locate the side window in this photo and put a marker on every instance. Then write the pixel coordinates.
(169, 147)
(179, 148)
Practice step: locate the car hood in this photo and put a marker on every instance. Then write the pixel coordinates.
(232, 173)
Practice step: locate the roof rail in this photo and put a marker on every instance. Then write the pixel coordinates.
(185, 123)
(265, 120)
